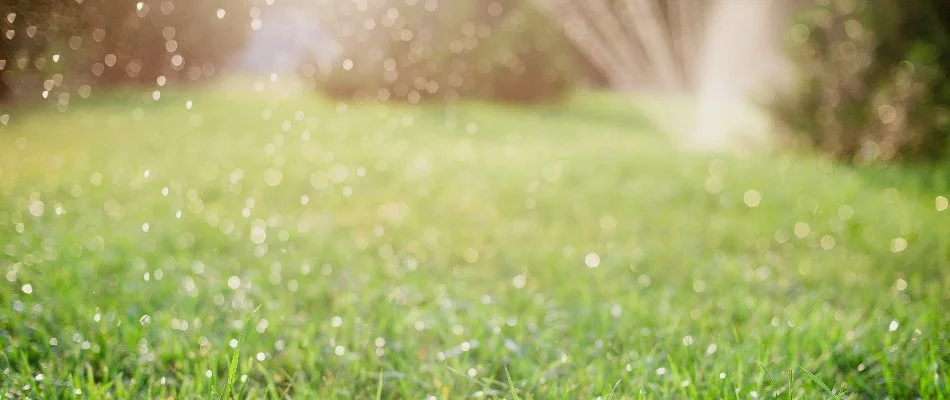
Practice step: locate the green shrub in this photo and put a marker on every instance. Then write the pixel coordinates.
(870, 81)
(410, 51)
(108, 42)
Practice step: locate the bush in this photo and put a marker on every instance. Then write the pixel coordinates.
(870, 81)
(412, 51)
(77, 45)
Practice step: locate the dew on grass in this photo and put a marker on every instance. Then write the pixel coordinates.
(339, 351)
(208, 373)
(261, 356)
(592, 260)
(898, 245)
(893, 326)
(472, 372)
(711, 349)
(661, 371)
(616, 310)
(27, 288)
(145, 320)
(942, 203)
(699, 286)
(900, 285)
(643, 281)
(519, 281)
(262, 325)
(752, 198)
(258, 234)
(233, 343)
(234, 282)
(273, 177)
(470, 255)
(802, 230)
(37, 208)
(336, 322)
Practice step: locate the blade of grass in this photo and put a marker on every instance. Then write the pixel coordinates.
(818, 381)
(379, 387)
(232, 368)
(511, 385)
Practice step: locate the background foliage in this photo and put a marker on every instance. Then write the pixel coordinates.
(870, 80)
(415, 51)
(67, 46)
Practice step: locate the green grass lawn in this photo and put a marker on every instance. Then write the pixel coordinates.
(568, 251)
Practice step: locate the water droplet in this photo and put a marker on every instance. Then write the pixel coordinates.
(145, 320)
(28, 288)
(519, 281)
(221, 13)
(261, 356)
(751, 198)
(802, 230)
(336, 322)
(898, 245)
(470, 255)
(942, 203)
(188, 105)
(234, 282)
(592, 260)
(901, 285)
(258, 234)
(272, 177)
(893, 326)
(616, 310)
(827, 242)
(37, 208)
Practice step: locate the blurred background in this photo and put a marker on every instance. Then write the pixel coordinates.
(858, 80)
(474, 198)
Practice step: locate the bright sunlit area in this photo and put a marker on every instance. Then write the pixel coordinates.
(474, 199)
